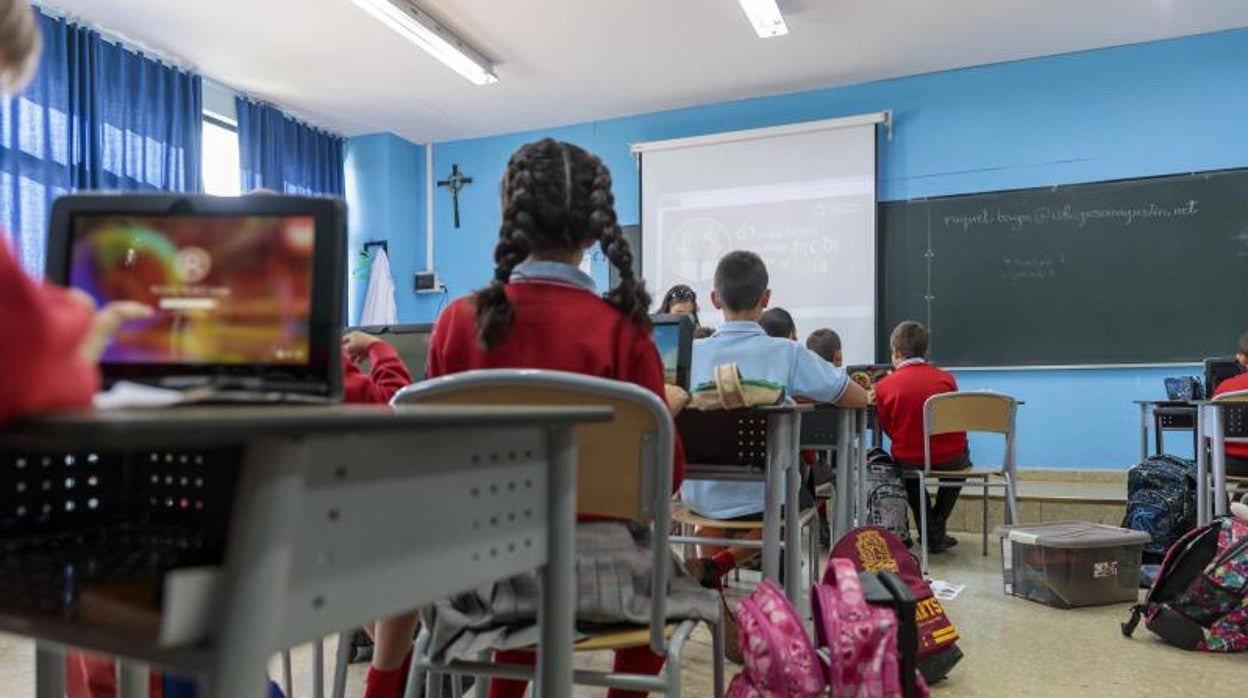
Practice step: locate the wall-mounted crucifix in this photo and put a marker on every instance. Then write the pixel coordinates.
(456, 182)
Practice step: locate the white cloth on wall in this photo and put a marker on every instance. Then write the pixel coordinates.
(379, 306)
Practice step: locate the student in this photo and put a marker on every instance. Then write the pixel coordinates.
(703, 332)
(827, 344)
(777, 322)
(680, 300)
(741, 292)
(899, 400)
(541, 311)
(1237, 453)
(387, 373)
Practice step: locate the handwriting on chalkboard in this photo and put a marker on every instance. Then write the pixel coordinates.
(1018, 221)
(1242, 238)
(1034, 268)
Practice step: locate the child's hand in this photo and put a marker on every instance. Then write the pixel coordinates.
(105, 324)
(676, 398)
(356, 344)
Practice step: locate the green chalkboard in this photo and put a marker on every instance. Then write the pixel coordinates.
(1136, 271)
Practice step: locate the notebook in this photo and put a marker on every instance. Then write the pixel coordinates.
(247, 291)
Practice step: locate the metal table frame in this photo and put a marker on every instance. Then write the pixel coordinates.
(306, 550)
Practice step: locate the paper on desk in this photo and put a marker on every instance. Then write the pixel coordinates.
(189, 601)
(946, 591)
(126, 394)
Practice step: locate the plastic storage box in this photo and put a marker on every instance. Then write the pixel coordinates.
(1071, 563)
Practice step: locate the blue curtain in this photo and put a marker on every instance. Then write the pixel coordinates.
(279, 153)
(96, 116)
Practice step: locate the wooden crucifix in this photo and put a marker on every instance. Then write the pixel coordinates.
(456, 182)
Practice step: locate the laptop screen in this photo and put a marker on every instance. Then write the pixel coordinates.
(673, 334)
(227, 290)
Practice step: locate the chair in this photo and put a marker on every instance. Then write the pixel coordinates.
(738, 445)
(1234, 430)
(970, 411)
(625, 471)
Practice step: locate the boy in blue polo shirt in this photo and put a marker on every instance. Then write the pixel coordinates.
(741, 292)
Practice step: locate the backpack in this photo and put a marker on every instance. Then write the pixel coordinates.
(886, 495)
(866, 655)
(780, 661)
(1161, 501)
(874, 549)
(1200, 598)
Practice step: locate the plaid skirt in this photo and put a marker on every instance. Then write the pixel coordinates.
(613, 568)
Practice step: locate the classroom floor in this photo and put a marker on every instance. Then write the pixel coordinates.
(1013, 647)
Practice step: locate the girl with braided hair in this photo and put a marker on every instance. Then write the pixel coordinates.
(541, 311)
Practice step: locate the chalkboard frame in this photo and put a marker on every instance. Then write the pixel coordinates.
(885, 275)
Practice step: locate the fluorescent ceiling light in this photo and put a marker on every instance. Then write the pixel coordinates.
(765, 17)
(418, 27)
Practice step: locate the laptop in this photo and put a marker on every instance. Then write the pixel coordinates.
(410, 341)
(673, 334)
(1218, 370)
(247, 291)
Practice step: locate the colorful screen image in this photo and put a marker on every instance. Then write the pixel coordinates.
(225, 289)
(667, 338)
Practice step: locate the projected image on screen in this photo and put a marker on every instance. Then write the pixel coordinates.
(226, 290)
(803, 202)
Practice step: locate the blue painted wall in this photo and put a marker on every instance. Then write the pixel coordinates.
(1149, 109)
(385, 181)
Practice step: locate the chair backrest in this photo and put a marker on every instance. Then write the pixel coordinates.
(1235, 419)
(977, 410)
(624, 467)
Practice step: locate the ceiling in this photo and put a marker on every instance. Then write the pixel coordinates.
(566, 61)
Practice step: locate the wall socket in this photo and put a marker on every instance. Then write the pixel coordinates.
(427, 281)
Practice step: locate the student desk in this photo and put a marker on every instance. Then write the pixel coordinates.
(842, 430)
(1207, 418)
(332, 515)
(1163, 411)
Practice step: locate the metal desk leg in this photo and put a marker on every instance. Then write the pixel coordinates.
(860, 466)
(1219, 462)
(49, 672)
(773, 493)
(1143, 431)
(133, 679)
(557, 613)
(792, 511)
(258, 559)
(1202, 470)
(841, 516)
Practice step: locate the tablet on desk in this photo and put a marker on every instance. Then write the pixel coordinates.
(673, 334)
(247, 291)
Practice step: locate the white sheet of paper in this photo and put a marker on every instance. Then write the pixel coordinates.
(946, 591)
(126, 394)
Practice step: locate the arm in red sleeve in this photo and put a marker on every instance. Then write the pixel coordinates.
(41, 368)
(387, 376)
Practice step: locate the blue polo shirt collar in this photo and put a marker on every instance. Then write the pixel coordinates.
(742, 328)
(553, 273)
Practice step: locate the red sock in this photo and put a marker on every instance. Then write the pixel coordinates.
(388, 683)
(724, 563)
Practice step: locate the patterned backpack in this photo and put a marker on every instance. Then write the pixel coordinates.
(886, 495)
(1161, 501)
(1200, 598)
(861, 639)
(780, 661)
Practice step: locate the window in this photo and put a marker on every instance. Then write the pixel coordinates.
(222, 174)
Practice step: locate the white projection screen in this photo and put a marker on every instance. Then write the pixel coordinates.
(801, 196)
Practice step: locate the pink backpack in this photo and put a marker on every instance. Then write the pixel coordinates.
(780, 661)
(860, 639)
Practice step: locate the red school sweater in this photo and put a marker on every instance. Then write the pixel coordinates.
(899, 399)
(1230, 385)
(558, 327)
(387, 375)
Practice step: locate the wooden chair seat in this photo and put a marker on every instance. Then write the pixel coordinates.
(964, 472)
(621, 638)
(682, 514)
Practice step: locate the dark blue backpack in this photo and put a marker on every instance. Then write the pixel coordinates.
(1161, 501)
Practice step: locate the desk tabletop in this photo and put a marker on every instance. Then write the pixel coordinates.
(227, 425)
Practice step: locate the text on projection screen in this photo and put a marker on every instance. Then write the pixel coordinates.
(804, 202)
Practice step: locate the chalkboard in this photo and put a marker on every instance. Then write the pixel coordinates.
(1135, 271)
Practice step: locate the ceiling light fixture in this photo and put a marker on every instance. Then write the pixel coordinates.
(418, 27)
(765, 17)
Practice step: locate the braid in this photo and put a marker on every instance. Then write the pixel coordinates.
(629, 296)
(494, 313)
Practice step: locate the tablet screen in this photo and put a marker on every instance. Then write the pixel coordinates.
(227, 290)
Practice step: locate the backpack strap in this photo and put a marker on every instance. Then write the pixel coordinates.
(728, 384)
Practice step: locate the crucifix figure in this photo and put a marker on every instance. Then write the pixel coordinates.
(455, 183)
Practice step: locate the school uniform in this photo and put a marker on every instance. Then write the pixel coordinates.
(759, 357)
(1236, 453)
(386, 376)
(899, 401)
(561, 324)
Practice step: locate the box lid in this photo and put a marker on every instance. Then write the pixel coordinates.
(1072, 534)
